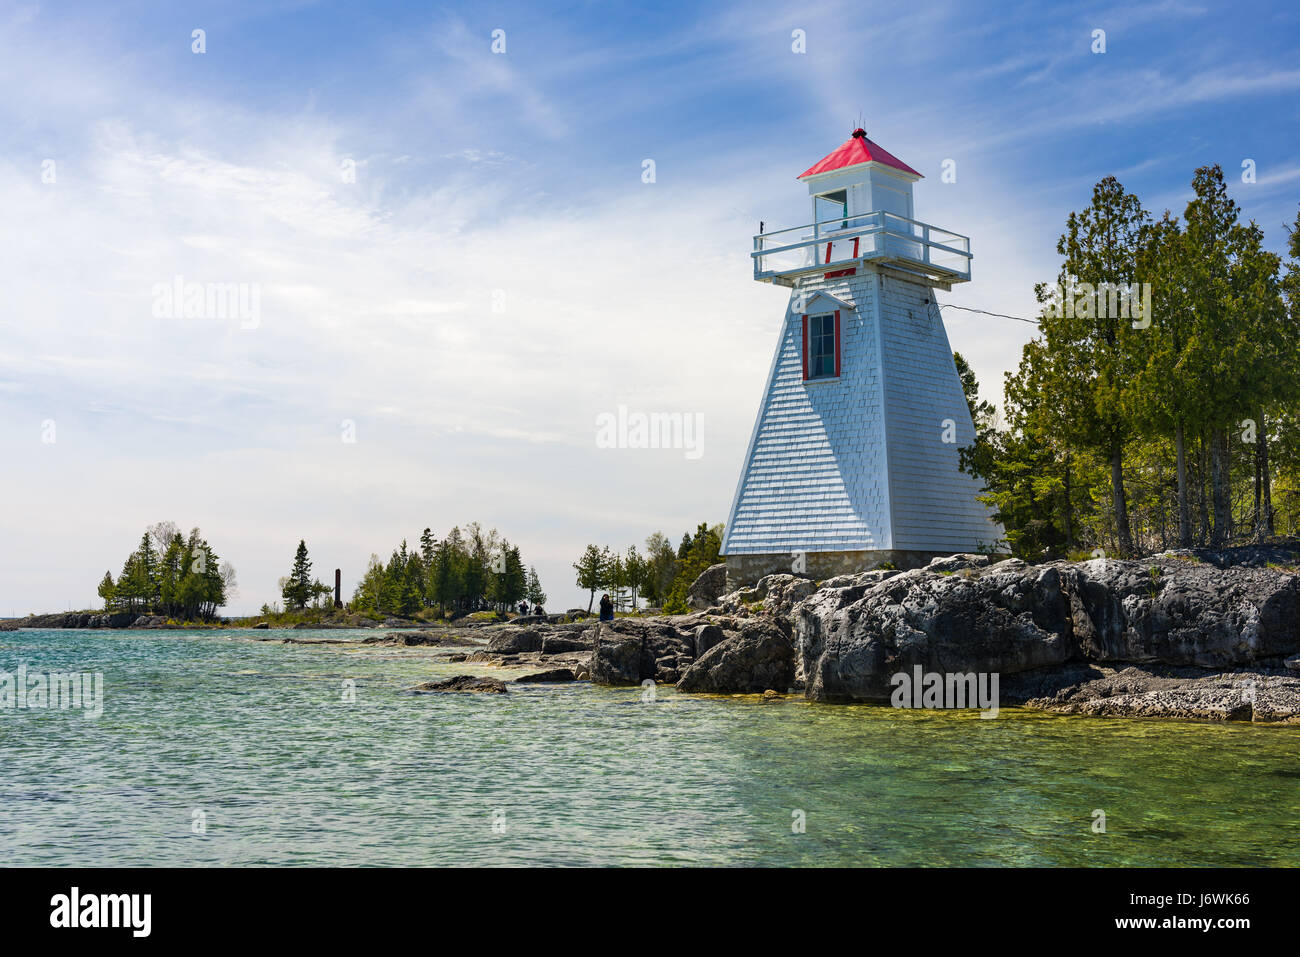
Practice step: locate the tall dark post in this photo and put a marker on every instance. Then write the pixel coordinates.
(338, 588)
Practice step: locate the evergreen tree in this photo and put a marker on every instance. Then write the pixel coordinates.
(297, 587)
(661, 567)
(634, 573)
(411, 595)
(1092, 347)
(701, 551)
(367, 593)
(428, 557)
(106, 591)
(533, 589)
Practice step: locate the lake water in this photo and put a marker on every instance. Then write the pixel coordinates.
(257, 737)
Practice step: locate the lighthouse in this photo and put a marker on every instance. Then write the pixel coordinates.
(853, 461)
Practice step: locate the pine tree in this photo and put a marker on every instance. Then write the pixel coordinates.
(410, 597)
(106, 591)
(634, 573)
(428, 556)
(1092, 348)
(297, 587)
(534, 593)
(701, 551)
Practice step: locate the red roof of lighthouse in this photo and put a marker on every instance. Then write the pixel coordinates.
(857, 149)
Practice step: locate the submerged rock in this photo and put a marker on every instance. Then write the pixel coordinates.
(1180, 693)
(465, 683)
(554, 676)
(416, 638)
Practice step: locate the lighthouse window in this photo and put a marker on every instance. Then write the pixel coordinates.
(831, 206)
(821, 346)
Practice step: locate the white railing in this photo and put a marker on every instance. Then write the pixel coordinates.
(838, 243)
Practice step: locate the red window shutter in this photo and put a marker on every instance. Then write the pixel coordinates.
(805, 348)
(837, 343)
(828, 253)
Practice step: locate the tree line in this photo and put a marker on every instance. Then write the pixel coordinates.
(661, 576)
(168, 574)
(465, 571)
(1159, 406)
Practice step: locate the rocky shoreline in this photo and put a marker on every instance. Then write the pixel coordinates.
(1173, 636)
(1189, 635)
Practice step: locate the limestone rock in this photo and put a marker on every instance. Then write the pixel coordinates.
(465, 683)
(1011, 617)
(513, 641)
(759, 657)
(554, 676)
(708, 587)
(630, 650)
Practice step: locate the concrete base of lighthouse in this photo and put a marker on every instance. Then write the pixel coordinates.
(745, 570)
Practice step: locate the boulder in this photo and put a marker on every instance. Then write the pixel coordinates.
(513, 641)
(955, 563)
(708, 587)
(560, 644)
(553, 676)
(617, 661)
(772, 595)
(760, 657)
(706, 636)
(465, 683)
(629, 650)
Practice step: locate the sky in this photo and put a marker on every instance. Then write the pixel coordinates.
(454, 262)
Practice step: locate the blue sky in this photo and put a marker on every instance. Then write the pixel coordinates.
(498, 274)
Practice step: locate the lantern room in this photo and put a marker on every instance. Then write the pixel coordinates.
(862, 210)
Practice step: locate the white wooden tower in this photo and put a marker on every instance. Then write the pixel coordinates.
(853, 460)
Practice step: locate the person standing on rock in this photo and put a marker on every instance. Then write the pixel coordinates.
(606, 608)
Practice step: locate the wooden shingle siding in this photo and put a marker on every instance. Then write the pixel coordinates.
(856, 462)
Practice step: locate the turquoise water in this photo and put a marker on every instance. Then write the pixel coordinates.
(257, 737)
